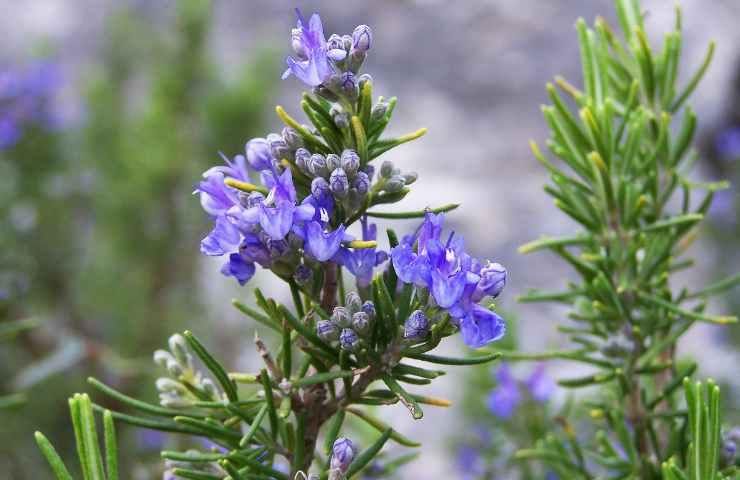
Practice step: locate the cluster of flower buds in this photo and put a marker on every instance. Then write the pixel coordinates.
(342, 453)
(335, 176)
(348, 324)
(281, 146)
(176, 390)
(330, 67)
(392, 180)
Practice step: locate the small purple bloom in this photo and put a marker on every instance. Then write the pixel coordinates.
(481, 326)
(505, 398)
(312, 65)
(224, 238)
(470, 462)
(540, 385)
(238, 267)
(361, 262)
(320, 244)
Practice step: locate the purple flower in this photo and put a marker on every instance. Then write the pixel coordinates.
(362, 261)
(238, 267)
(216, 197)
(456, 280)
(470, 462)
(311, 65)
(480, 326)
(320, 244)
(540, 385)
(224, 238)
(252, 228)
(505, 398)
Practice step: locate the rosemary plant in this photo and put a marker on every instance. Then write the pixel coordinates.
(290, 205)
(624, 140)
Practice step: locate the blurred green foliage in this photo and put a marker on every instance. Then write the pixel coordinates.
(111, 258)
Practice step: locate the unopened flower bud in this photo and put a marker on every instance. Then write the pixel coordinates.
(317, 165)
(338, 183)
(386, 169)
(416, 326)
(259, 154)
(174, 401)
(353, 302)
(362, 38)
(363, 79)
(410, 177)
(350, 162)
(302, 275)
(251, 199)
(361, 323)
(278, 146)
(492, 281)
(292, 138)
(379, 111)
(179, 347)
(394, 184)
(163, 357)
(341, 317)
(165, 384)
(369, 308)
(349, 340)
(209, 387)
(341, 120)
(342, 453)
(362, 183)
(327, 330)
(348, 85)
(335, 48)
(302, 159)
(174, 368)
(320, 188)
(333, 161)
(296, 42)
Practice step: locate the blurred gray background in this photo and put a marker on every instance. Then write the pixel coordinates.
(473, 72)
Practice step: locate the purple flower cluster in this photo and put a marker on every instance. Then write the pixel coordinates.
(456, 280)
(258, 228)
(327, 65)
(25, 95)
(506, 397)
